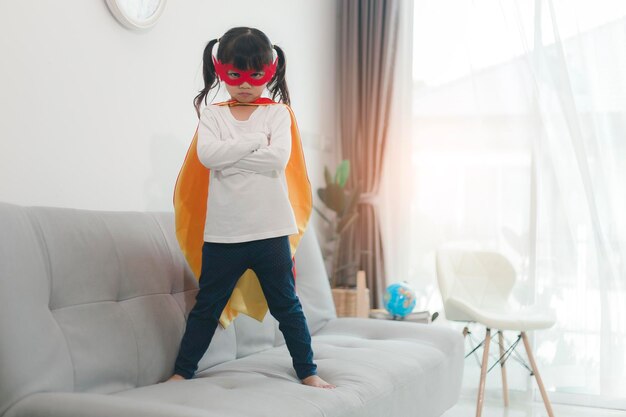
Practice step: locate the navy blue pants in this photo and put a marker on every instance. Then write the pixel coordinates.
(222, 265)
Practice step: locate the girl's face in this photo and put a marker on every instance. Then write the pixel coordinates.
(245, 92)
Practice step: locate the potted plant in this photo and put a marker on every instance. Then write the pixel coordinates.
(343, 203)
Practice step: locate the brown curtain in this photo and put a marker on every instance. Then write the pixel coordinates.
(368, 36)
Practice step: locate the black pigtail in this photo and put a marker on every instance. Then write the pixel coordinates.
(278, 85)
(209, 75)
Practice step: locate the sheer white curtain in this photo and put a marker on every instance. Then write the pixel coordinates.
(517, 142)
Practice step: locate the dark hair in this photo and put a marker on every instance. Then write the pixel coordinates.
(246, 48)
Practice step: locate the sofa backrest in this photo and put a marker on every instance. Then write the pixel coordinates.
(96, 301)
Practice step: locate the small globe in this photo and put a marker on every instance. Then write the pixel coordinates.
(399, 299)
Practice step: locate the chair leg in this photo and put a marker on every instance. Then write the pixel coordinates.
(483, 373)
(505, 386)
(542, 389)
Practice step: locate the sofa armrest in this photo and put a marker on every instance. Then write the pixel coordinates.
(74, 404)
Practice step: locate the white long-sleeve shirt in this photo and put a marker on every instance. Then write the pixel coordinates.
(248, 195)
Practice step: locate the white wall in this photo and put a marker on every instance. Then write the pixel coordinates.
(97, 116)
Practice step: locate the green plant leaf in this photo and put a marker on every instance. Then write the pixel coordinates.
(342, 173)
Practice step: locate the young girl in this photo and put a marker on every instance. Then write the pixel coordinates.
(243, 148)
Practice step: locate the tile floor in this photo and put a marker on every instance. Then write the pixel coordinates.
(466, 407)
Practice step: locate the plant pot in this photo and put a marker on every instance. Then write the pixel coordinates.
(353, 302)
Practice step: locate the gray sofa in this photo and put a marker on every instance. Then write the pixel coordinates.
(92, 311)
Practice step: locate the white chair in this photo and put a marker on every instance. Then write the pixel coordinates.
(475, 287)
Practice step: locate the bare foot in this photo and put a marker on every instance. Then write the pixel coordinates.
(316, 381)
(176, 377)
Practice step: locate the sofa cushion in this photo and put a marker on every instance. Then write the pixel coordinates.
(253, 336)
(379, 367)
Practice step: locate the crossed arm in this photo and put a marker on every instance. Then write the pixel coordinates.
(248, 153)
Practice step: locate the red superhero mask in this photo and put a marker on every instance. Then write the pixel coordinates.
(244, 76)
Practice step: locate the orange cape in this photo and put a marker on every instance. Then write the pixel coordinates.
(190, 209)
